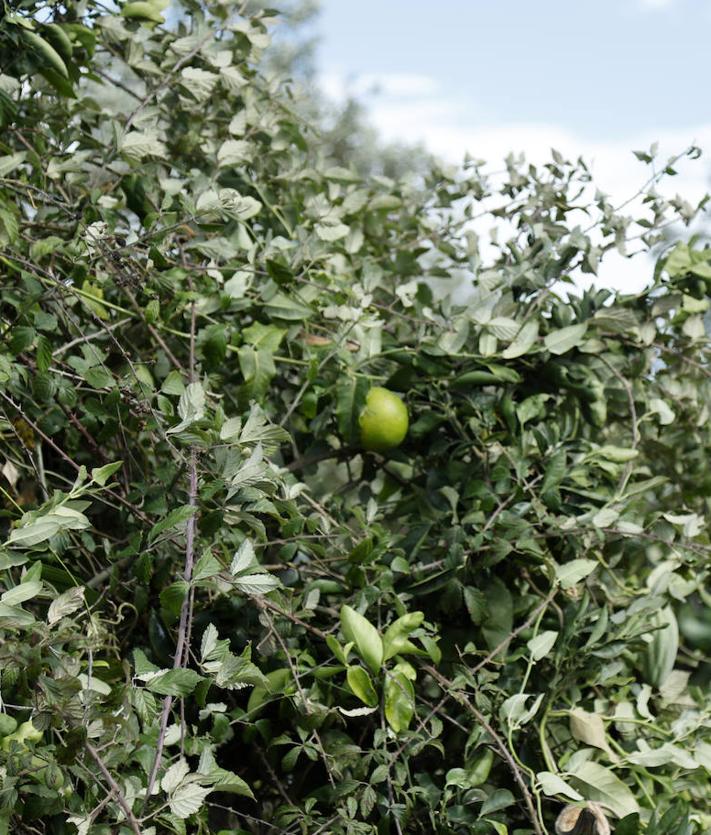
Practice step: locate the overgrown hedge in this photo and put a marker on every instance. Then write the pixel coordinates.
(218, 613)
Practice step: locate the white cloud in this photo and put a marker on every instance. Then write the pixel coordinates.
(413, 111)
(404, 85)
(656, 4)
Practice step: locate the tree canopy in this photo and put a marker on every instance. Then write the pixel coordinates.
(218, 612)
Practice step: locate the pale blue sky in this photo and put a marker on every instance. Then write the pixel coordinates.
(605, 68)
(596, 78)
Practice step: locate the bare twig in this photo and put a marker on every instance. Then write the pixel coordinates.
(115, 788)
(180, 657)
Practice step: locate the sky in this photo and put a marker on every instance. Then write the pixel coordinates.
(597, 78)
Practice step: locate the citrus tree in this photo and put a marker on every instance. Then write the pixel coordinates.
(292, 540)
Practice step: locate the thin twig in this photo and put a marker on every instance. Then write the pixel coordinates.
(180, 658)
(507, 640)
(115, 788)
(452, 693)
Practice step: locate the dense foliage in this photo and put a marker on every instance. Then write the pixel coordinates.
(217, 612)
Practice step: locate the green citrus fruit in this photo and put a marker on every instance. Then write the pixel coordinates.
(25, 733)
(383, 421)
(8, 725)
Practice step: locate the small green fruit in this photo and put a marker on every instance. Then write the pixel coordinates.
(47, 773)
(383, 421)
(24, 734)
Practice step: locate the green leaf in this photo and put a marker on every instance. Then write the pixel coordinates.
(524, 340)
(257, 583)
(10, 162)
(175, 518)
(282, 306)
(553, 784)
(257, 368)
(172, 597)
(264, 337)
(177, 683)
(563, 340)
(602, 786)
(46, 53)
(66, 604)
(173, 384)
(360, 683)
(574, 571)
(395, 640)
(207, 566)
(660, 655)
(191, 407)
(499, 621)
(100, 475)
(20, 593)
(399, 701)
(350, 399)
(542, 644)
(364, 637)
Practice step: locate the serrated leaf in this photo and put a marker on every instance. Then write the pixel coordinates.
(137, 145)
(176, 517)
(332, 232)
(191, 407)
(188, 799)
(257, 583)
(207, 566)
(175, 775)
(177, 683)
(244, 558)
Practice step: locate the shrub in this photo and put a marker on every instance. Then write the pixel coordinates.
(218, 612)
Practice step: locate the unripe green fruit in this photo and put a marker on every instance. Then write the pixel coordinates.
(8, 725)
(383, 421)
(25, 733)
(46, 772)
